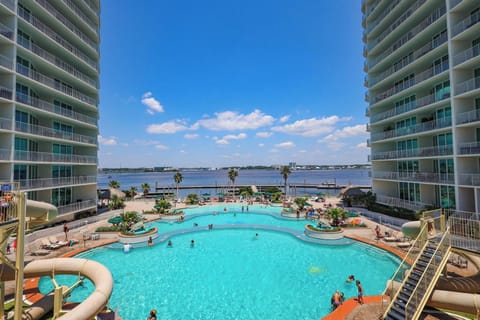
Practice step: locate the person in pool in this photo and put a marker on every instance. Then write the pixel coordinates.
(169, 244)
(153, 315)
(350, 278)
(150, 241)
(192, 243)
(336, 300)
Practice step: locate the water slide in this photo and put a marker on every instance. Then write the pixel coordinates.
(96, 272)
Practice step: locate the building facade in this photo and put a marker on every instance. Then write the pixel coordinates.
(49, 94)
(422, 59)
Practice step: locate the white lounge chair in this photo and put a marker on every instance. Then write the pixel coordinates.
(40, 252)
(46, 244)
(54, 240)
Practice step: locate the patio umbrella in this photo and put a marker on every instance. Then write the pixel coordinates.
(115, 220)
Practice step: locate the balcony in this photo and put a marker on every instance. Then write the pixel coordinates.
(416, 129)
(465, 24)
(5, 155)
(467, 86)
(92, 7)
(5, 93)
(77, 207)
(31, 184)
(10, 4)
(52, 133)
(401, 203)
(60, 17)
(372, 7)
(420, 177)
(41, 27)
(6, 62)
(427, 74)
(396, 23)
(417, 54)
(437, 14)
(469, 179)
(468, 117)
(49, 82)
(466, 55)
(50, 107)
(469, 148)
(454, 3)
(382, 15)
(32, 156)
(56, 61)
(5, 31)
(78, 12)
(437, 151)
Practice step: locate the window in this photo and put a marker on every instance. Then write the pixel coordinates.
(408, 166)
(22, 93)
(23, 39)
(21, 116)
(406, 104)
(61, 171)
(409, 191)
(403, 62)
(21, 144)
(62, 149)
(61, 196)
(444, 139)
(20, 172)
(439, 38)
(446, 195)
(440, 65)
(61, 127)
(63, 108)
(441, 90)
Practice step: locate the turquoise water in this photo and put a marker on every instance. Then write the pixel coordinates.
(232, 274)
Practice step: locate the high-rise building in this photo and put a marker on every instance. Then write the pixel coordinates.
(49, 85)
(422, 59)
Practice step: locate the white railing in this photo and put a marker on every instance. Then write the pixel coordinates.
(29, 184)
(89, 22)
(52, 133)
(5, 31)
(429, 177)
(414, 153)
(418, 128)
(469, 116)
(466, 23)
(5, 93)
(469, 147)
(6, 124)
(468, 85)
(401, 203)
(76, 207)
(35, 156)
(466, 54)
(464, 229)
(9, 4)
(381, 16)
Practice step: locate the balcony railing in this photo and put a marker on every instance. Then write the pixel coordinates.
(83, 16)
(52, 133)
(437, 14)
(49, 82)
(466, 54)
(5, 31)
(10, 4)
(33, 156)
(6, 62)
(401, 203)
(428, 177)
(454, 3)
(469, 148)
(372, 7)
(5, 124)
(416, 55)
(382, 15)
(466, 24)
(76, 207)
(396, 23)
(50, 107)
(92, 7)
(5, 155)
(56, 61)
(469, 179)
(468, 117)
(414, 153)
(418, 128)
(429, 73)
(29, 184)
(36, 23)
(468, 85)
(5, 93)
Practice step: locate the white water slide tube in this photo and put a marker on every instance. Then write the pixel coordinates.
(96, 272)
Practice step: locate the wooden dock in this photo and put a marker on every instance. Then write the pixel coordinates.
(324, 186)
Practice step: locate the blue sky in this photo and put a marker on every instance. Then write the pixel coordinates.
(231, 83)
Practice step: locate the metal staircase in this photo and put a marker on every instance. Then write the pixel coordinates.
(419, 280)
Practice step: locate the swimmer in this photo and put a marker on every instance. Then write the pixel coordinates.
(225, 209)
(350, 278)
(335, 300)
(170, 244)
(192, 243)
(150, 241)
(195, 224)
(153, 315)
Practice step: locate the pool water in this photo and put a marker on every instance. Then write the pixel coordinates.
(233, 274)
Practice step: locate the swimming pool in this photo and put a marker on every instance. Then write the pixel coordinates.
(232, 274)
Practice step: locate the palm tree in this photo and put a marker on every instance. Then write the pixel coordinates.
(232, 175)
(133, 192)
(285, 171)
(178, 179)
(114, 184)
(116, 202)
(146, 189)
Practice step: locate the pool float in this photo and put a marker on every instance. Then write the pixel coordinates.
(314, 270)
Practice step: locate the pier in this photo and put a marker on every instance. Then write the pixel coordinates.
(330, 186)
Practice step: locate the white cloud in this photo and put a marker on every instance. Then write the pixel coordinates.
(286, 144)
(310, 127)
(169, 127)
(145, 142)
(362, 145)
(261, 145)
(284, 119)
(347, 132)
(264, 134)
(152, 104)
(190, 136)
(230, 121)
(228, 137)
(161, 147)
(110, 141)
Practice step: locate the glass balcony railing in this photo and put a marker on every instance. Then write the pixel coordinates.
(52, 133)
(466, 55)
(467, 86)
(6, 124)
(421, 177)
(77, 206)
(10, 4)
(5, 155)
(93, 7)
(78, 12)
(469, 148)
(50, 107)
(6, 62)
(414, 153)
(40, 26)
(466, 23)
(401, 203)
(468, 117)
(454, 3)
(49, 82)
(60, 17)
(5, 31)
(381, 16)
(6, 93)
(33, 156)
(437, 14)
(29, 184)
(56, 61)
(469, 179)
(416, 129)
(425, 75)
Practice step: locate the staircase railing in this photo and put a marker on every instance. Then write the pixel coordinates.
(428, 280)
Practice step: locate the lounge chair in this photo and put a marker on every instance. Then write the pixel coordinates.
(404, 244)
(54, 240)
(40, 252)
(46, 244)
